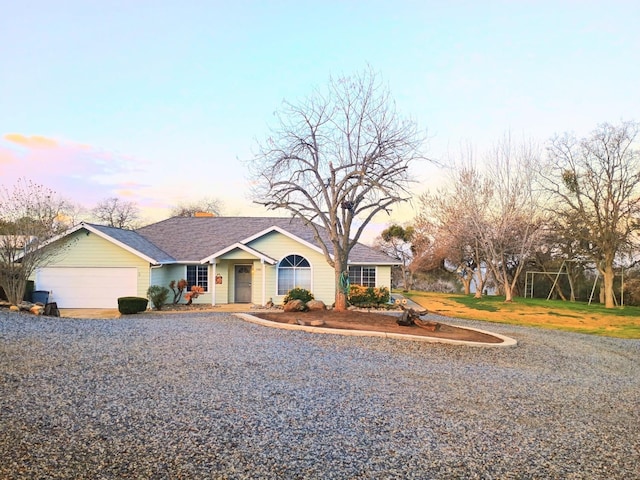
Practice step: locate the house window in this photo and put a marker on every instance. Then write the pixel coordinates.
(365, 276)
(293, 271)
(198, 275)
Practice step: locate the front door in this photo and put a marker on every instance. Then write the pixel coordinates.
(243, 284)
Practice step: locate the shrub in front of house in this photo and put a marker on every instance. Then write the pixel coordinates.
(369, 296)
(195, 292)
(129, 305)
(158, 295)
(298, 294)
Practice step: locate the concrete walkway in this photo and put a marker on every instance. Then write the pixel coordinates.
(114, 313)
(222, 308)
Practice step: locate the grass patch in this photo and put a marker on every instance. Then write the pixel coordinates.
(594, 319)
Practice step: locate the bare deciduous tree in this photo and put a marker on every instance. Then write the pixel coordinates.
(489, 219)
(447, 218)
(30, 214)
(117, 213)
(595, 186)
(207, 205)
(511, 225)
(336, 160)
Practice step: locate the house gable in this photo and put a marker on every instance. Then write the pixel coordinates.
(238, 250)
(279, 245)
(86, 250)
(284, 232)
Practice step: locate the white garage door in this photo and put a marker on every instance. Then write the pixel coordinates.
(87, 287)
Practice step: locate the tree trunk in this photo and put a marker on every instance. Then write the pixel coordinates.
(405, 278)
(341, 287)
(571, 283)
(508, 294)
(466, 283)
(608, 276)
(341, 302)
(480, 281)
(14, 285)
(508, 289)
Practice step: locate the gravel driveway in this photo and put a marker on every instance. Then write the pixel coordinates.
(211, 396)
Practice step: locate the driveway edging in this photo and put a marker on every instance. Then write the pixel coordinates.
(506, 341)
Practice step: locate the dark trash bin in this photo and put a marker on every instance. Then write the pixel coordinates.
(51, 310)
(40, 296)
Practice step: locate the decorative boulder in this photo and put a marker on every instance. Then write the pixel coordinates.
(316, 305)
(37, 309)
(14, 308)
(295, 306)
(25, 306)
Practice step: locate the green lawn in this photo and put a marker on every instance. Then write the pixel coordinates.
(622, 322)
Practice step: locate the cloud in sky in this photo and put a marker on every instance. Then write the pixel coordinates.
(86, 174)
(34, 141)
(82, 173)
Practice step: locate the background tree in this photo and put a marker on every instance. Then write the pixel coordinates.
(210, 205)
(487, 220)
(595, 188)
(30, 214)
(115, 212)
(509, 222)
(336, 160)
(456, 247)
(397, 241)
(453, 216)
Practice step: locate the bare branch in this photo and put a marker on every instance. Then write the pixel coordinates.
(117, 213)
(342, 154)
(594, 184)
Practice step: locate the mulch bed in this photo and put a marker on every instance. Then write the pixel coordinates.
(373, 321)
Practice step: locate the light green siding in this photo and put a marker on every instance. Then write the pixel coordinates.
(278, 246)
(225, 291)
(164, 275)
(383, 276)
(83, 249)
(86, 249)
(237, 254)
(222, 289)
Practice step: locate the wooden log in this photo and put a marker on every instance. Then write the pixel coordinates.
(430, 326)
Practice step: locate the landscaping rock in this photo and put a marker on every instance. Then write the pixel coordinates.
(25, 306)
(316, 305)
(28, 307)
(295, 306)
(317, 323)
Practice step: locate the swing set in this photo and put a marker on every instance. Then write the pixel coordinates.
(564, 270)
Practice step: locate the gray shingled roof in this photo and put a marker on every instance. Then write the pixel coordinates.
(190, 239)
(135, 241)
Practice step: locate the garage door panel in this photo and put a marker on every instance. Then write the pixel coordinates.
(87, 287)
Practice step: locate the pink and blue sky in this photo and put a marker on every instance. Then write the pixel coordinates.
(159, 102)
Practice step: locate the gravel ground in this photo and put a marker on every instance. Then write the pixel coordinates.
(210, 396)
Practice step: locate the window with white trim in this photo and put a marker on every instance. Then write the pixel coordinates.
(293, 271)
(362, 275)
(198, 275)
